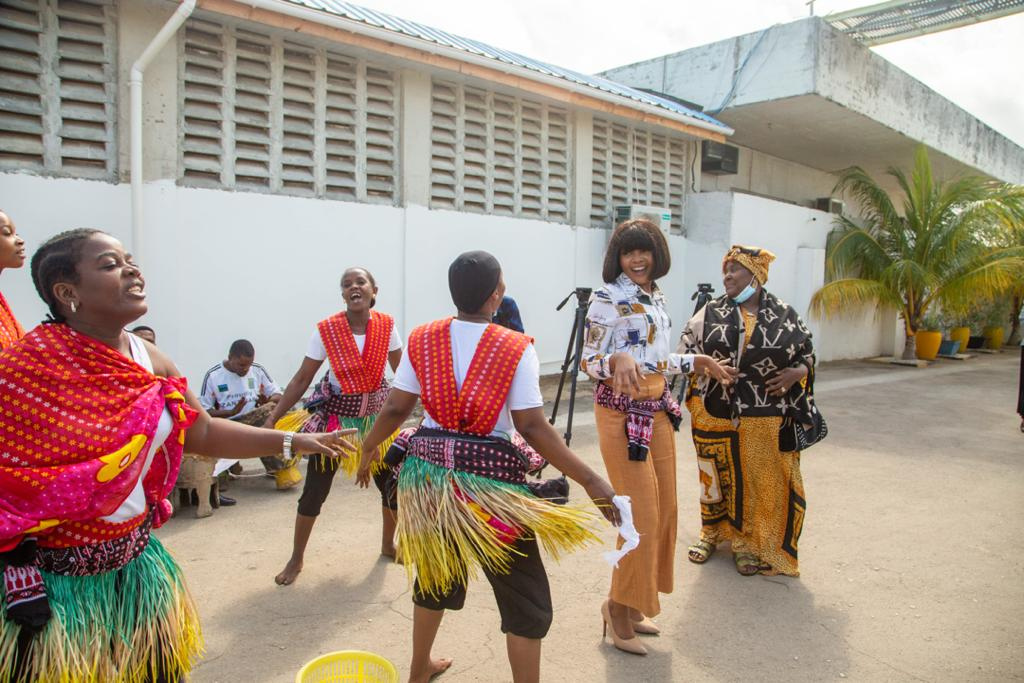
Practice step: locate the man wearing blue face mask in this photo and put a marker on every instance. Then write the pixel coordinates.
(748, 458)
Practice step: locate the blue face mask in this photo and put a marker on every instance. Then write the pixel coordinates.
(748, 291)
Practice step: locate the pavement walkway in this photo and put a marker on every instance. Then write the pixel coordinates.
(912, 560)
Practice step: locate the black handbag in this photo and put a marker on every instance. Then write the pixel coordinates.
(795, 436)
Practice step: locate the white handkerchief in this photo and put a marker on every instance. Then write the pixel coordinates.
(626, 530)
(222, 466)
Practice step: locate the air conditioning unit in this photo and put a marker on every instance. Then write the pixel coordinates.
(718, 158)
(829, 205)
(658, 215)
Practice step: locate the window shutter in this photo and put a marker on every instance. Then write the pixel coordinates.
(85, 72)
(506, 138)
(202, 113)
(298, 119)
(474, 150)
(262, 111)
(634, 166)
(600, 206)
(57, 86)
(251, 90)
(381, 135)
(556, 142)
(340, 125)
(497, 153)
(444, 117)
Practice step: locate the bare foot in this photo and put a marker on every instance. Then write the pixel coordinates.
(289, 573)
(436, 668)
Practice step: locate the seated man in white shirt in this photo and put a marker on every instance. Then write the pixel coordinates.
(241, 390)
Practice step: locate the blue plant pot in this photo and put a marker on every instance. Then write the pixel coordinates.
(949, 347)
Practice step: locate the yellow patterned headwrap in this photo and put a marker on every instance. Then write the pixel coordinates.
(754, 259)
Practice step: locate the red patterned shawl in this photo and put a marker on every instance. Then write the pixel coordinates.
(357, 373)
(76, 421)
(10, 330)
(475, 409)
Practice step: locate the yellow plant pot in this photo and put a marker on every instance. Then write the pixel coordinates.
(993, 337)
(962, 335)
(927, 344)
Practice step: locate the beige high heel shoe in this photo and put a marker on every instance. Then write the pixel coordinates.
(631, 645)
(646, 627)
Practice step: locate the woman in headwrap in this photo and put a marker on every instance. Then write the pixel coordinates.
(12, 255)
(95, 421)
(750, 491)
(628, 351)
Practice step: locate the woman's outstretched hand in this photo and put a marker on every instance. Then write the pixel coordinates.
(363, 473)
(721, 371)
(332, 444)
(601, 492)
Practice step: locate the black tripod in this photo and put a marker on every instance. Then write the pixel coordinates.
(573, 351)
(702, 296)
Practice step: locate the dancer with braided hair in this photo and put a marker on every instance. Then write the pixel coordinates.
(96, 421)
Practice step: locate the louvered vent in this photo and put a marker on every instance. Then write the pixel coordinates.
(264, 112)
(496, 153)
(635, 166)
(57, 87)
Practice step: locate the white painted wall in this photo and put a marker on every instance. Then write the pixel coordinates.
(222, 265)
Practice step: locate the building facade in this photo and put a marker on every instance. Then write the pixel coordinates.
(286, 141)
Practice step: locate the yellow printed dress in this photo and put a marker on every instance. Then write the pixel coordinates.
(751, 493)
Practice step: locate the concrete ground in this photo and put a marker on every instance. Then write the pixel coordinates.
(912, 560)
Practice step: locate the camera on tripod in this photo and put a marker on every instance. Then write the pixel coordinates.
(582, 298)
(702, 296)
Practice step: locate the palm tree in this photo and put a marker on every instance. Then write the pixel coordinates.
(930, 251)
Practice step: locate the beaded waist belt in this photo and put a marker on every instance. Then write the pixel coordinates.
(480, 455)
(326, 400)
(97, 558)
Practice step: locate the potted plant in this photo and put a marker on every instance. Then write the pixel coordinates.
(918, 247)
(993, 331)
(928, 338)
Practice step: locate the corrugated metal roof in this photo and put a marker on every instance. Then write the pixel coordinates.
(888, 22)
(433, 35)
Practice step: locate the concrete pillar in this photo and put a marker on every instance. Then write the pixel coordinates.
(415, 138)
(583, 167)
(138, 22)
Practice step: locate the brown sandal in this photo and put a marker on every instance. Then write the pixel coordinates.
(748, 564)
(700, 552)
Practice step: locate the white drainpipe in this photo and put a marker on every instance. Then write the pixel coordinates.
(358, 27)
(135, 114)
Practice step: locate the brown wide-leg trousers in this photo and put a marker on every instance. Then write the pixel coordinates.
(651, 486)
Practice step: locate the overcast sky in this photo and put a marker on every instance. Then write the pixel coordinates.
(973, 66)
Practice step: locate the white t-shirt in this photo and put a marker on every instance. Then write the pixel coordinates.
(522, 395)
(224, 389)
(317, 351)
